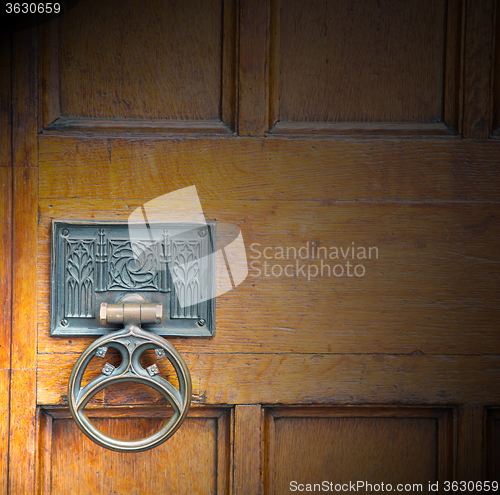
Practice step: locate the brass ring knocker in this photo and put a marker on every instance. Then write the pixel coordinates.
(130, 342)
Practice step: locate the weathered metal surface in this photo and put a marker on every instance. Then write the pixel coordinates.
(168, 264)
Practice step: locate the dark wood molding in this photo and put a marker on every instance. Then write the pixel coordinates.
(359, 129)
(136, 128)
(478, 57)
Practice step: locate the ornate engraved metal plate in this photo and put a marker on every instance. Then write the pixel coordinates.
(171, 264)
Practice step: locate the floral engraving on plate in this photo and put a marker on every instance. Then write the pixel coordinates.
(79, 301)
(185, 278)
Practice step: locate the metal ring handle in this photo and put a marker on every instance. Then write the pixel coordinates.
(131, 342)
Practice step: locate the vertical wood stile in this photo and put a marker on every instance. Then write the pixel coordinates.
(49, 69)
(230, 29)
(269, 452)
(24, 306)
(470, 444)
(495, 100)
(252, 94)
(274, 63)
(44, 453)
(445, 448)
(5, 252)
(491, 437)
(223, 452)
(453, 84)
(247, 450)
(479, 25)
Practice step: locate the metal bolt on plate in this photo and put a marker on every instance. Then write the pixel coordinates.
(160, 353)
(101, 351)
(153, 370)
(107, 369)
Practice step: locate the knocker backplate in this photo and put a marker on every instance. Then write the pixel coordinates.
(171, 264)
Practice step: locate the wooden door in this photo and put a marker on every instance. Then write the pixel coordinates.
(318, 125)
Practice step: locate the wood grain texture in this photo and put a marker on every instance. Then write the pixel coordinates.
(5, 265)
(230, 36)
(5, 100)
(23, 362)
(109, 69)
(415, 298)
(272, 456)
(147, 411)
(493, 444)
(479, 37)
(274, 68)
(186, 463)
(496, 473)
(366, 411)
(413, 198)
(24, 287)
(24, 98)
(50, 105)
(420, 328)
(495, 99)
(136, 128)
(359, 129)
(252, 93)
(44, 453)
(454, 66)
(471, 464)
(224, 451)
(446, 446)
(22, 448)
(271, 169)
(362, 61)
(343, 450)
(247, 450)
(5, 252)
(4, 429)
(314, 378)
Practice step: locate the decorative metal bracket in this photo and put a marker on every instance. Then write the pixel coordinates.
(99, 262)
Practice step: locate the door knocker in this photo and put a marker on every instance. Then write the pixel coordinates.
(131, 291)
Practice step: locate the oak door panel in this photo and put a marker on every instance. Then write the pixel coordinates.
(362, 61)
(399, 446)
(195, 460)
(142, 60)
